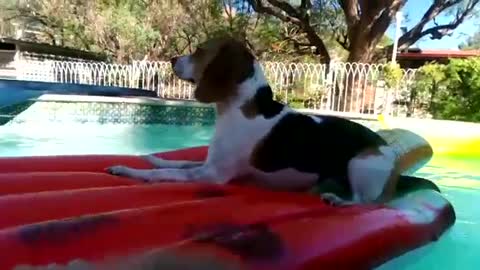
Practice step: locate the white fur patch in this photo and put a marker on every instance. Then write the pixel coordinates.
(369, 174)
(161, 163)
(317, 119)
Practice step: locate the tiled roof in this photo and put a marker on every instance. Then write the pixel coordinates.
(435, 54)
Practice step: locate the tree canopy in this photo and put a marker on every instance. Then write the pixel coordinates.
(359, 25)
(320, 30)
(472, 42)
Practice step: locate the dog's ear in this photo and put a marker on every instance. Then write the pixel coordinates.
(263, 104)
(232, 64)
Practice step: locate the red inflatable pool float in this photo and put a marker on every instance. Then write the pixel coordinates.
(58, 209)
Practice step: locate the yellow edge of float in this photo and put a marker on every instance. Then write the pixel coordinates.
(451, 138)
(455, 145)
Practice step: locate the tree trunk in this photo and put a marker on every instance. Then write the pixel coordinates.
(364, 33)
(349, 90)
(315, 40)
(362, 52)
(364, 40)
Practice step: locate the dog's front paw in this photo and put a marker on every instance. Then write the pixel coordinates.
(152, 159)
(332, 199)
(124, 171)
(119, 170)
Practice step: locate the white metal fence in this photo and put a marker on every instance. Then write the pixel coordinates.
(341, 87)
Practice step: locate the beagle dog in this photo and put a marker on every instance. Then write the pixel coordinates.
(260, 138)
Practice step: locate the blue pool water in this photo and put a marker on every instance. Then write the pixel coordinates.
(459, 248)
(60, 139)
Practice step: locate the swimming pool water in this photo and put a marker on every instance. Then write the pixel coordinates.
(458, 178)
(57, 139)
(459, 247)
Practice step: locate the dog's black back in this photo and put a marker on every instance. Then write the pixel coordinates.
(323, 146)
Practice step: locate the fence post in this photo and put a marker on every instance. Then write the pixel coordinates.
(330, 83)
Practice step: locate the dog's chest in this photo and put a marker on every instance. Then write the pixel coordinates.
(237, 135)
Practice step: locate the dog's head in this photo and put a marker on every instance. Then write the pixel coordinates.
(216, 67)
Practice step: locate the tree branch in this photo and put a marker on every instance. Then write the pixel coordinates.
(290, 14)
(305, 4)
(340, 36)
(384, 20)
(262, 9)
(351, 11)
(438, 31)
(285, 6)
(342, 39)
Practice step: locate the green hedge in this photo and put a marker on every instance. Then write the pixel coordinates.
(452, 90)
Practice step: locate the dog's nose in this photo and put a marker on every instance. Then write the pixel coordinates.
(174, 60)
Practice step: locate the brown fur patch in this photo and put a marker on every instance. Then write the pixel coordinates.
(414, 156)
(402, 164)
(219, 65)
(390, 188)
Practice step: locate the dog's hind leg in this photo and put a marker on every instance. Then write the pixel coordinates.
(372, 175)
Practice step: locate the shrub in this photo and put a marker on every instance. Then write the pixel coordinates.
(429, 86)
(453, 90)
(392, 75)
